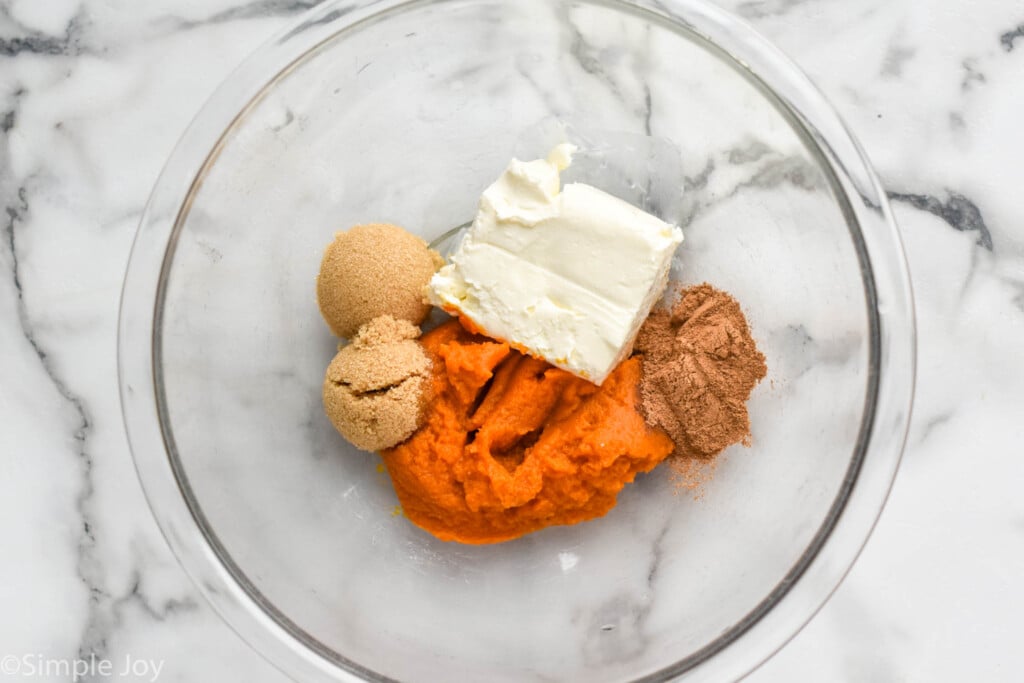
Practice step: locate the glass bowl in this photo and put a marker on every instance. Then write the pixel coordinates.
(403, 112)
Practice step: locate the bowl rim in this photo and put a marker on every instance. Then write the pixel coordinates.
(863, 492)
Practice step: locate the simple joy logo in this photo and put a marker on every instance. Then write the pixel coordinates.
(38, 666)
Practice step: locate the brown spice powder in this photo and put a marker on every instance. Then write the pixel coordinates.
(699, 366)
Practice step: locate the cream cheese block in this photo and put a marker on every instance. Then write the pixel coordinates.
(564, 274)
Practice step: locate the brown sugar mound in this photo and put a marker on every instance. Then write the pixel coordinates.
(700, 364)
(373, 270)
(377, 387)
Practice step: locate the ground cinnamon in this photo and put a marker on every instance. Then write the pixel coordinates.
(699, 364)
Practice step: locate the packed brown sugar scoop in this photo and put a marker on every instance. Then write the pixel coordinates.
(377, 388)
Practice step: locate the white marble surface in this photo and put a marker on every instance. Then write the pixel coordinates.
(93, 96)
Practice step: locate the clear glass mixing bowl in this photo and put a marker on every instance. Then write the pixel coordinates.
(402, 112)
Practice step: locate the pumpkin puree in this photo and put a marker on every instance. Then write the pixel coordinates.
(510, 444)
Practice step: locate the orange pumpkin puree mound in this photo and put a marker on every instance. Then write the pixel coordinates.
(512, 444)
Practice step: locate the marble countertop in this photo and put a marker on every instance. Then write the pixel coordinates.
(93, 96)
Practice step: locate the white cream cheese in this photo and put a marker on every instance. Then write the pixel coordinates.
(565, 275)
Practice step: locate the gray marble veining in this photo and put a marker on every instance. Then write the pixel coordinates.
(93, 96)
